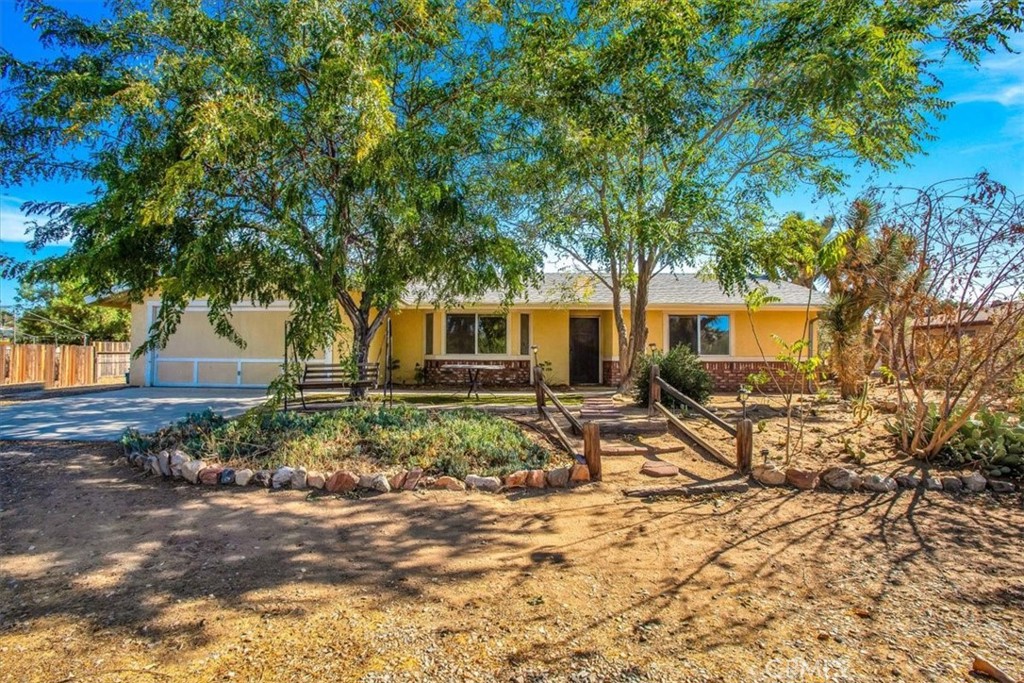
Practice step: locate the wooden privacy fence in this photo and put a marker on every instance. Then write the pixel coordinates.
(112, 358)
(591, 431)
(742, 432)
(52, 365)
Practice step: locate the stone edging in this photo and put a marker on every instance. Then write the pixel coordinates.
(841, 479)
(179, 465)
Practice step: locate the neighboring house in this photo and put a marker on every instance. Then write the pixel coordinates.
(568, 319)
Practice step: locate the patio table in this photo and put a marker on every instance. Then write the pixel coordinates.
(473, 375)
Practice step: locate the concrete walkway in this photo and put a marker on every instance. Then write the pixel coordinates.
(103, 416)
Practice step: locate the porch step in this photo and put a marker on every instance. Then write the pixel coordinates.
(620, 418)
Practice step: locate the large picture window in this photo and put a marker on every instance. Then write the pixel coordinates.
(468, 333)
(705, 335)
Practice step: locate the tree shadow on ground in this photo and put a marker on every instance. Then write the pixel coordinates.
(85, 537)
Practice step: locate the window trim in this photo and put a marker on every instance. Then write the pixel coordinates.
(700, 351)
(476, 334)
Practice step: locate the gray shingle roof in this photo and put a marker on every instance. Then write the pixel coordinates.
(667, 289)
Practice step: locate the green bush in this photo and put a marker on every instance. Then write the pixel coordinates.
(450, 442)
(680, 368)
(992, 441)
(190, 431)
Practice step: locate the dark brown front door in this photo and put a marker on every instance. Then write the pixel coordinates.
(584, 351)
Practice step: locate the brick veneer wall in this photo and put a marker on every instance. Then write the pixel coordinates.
(728, 375)
(610, 373)
(512, 373)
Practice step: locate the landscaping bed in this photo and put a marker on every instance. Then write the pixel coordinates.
(857, 435)
(362, 447)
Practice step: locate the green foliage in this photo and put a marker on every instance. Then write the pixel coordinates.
(455, 443)
(58, 312)
(990, 440)
(190, 432)
(653, 135)
(253, 150)
(680, 368)
(799, 369)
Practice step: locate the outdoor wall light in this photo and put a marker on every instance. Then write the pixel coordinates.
(742, 397)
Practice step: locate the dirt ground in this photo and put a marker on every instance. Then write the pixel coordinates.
(830, 432)
(110, 575)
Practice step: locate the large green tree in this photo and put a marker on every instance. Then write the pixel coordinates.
(61, 312)
(323, 152)
(655, 134)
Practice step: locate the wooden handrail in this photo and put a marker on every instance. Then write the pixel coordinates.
(545, 391)
(690, 403)
(591, 432)
(743, 432)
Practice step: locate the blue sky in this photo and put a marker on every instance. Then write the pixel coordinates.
(984, 130)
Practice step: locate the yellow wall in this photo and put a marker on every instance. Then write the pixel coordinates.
(264, 331)
(139, 330)
(789, 325)
(551, 335)
(408, 340)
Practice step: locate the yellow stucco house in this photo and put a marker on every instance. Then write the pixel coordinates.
(565, 323)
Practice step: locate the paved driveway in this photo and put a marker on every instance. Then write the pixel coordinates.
(103, 416)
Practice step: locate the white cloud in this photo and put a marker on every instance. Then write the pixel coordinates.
(1008, 95)
(998, 78)
(14, 224)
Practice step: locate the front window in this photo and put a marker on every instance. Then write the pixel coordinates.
(705, 335)
(467, 333)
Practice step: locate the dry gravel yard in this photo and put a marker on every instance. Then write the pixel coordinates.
(109, 575)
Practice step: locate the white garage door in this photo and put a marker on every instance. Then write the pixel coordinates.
(195, 356)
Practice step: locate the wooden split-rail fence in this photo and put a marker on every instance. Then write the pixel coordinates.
(62, 365)
(590, 431)
(742, 432)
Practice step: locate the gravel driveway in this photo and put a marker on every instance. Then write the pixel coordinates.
(103, 416)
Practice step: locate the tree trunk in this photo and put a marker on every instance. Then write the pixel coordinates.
(632, 342)
(848, 359)
(365, 326)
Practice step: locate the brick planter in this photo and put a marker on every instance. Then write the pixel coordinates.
(511, 373)
(610, 373)
(729, 375)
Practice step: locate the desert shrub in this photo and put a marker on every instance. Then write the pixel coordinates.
(189, 432)
(680, 368)
(451, 442)
(989, 440)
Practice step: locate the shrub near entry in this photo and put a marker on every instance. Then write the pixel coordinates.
(680, 368)
(452, 443)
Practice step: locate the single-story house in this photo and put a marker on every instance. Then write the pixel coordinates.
(566, 324)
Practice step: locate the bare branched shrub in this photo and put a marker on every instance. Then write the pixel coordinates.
(953, 323)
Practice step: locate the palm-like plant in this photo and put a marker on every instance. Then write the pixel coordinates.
(870, 265)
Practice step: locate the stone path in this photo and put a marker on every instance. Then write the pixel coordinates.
(618, 418)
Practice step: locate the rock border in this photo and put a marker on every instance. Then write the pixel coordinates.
(179, 465)
(842, 479)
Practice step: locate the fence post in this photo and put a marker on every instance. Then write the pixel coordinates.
(48, 358)
(744, 445)
(592, 449)
(654, 391)
(538, 386)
